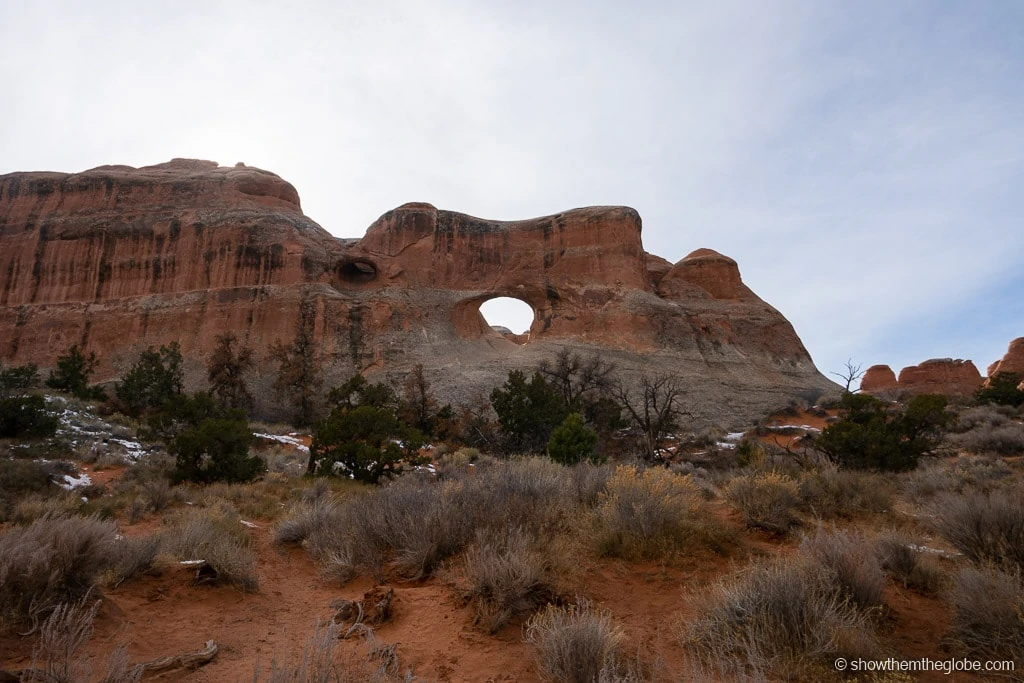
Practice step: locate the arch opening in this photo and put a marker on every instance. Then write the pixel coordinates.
(509, 317)
(357, 271)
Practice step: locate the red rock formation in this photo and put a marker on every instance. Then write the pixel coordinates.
(878, 379)
(941, 376)
(116, 259)
(1013, 361)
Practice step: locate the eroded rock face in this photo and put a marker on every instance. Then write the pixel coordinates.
(941, 376)
(117, 259)
(937, 376)
(1013, 361)
(878, 379)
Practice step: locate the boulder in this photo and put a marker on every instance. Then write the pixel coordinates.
(878, 379)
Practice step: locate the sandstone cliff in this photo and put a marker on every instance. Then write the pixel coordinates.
(118, 258)
(1013, 361)
(936, 376)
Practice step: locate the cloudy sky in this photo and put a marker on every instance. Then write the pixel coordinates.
(862, 161)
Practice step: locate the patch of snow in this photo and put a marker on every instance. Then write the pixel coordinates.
(726, 445)
(734, 436)
(70, 483)
(290, 439)
(249, 524)
(192, 563)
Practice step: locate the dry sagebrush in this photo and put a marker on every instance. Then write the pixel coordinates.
(576, 644)
(788, 618)
(51, 561)
(415, 523)
(653, 513)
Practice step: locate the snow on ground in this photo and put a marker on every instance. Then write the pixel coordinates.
(71, 482)
(286, 439)
(80, 427)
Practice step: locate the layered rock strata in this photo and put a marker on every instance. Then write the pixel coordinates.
(117, 258)
(936, 376)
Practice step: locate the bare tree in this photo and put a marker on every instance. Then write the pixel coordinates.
(654, 408)
(851, 373)
(574, 376)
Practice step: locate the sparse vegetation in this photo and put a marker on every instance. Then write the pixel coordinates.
(988, 614)
(987, 528)
(778, 620)
(298, 379)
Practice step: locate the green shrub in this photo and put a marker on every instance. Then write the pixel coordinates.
(154, 379)
(26, 417)
(365, 443)
(217, 449)
(18, 379)
(72, 374)
(870, 435)
(1002, 389)
(528, 412)
(572, 442)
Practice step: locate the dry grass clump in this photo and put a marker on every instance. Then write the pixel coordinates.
(20, 479)
(132, 557)
(415, 523)
(652, 513)
(216, 537)
(850, 560)
(507, 576)
(976, 473)
(829, 493)
(988, 614)
(576, 644)
(768, 500)
(988, 429)
(51, 561)
(786, 619)
(901, 559)
(987, 528)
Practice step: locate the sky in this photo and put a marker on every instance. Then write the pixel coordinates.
(862, 161)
